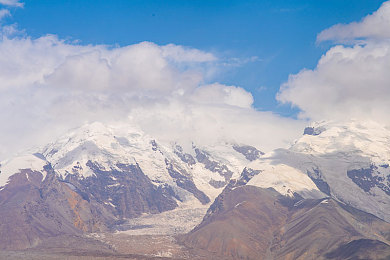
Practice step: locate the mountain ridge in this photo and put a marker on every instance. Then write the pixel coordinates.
(141, 186)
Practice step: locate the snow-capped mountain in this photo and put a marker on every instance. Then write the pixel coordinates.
(108, 148)
(100, 178)
(330, 173)
(123, 173)
(347, 161)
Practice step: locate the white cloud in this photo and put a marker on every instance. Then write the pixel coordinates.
(374, 26)
(348, 82)
(4, 13)
(48, 86)
(181, 54)
(141, 69)
(223, 95)
(210, 124)
(15, 3)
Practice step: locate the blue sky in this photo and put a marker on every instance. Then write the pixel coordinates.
(280, 33)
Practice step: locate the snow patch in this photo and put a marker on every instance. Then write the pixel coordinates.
(283, 178)
(15, 165)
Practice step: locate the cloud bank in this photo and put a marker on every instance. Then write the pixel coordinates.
(348, 81)
(49, 86)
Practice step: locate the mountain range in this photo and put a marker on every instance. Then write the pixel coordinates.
(327, 196)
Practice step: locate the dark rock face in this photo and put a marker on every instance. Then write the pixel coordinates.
(247, 222)
(154, 145)
(217, 184)
(309, 131)
(32, 210)
(127, 192)
(184, 181)
(250, 152)
(317, 178)
(213, 166)
(246, 175)
(40, 156)
(185, 157)
(369, 178)
(313, 131)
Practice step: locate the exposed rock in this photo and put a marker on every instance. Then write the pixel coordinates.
(185, 181)
(369, 178)
(154, 145)
(213, 166)
(246, 175)
(317, 178)
(185, 157)
(250, 152)
(313, 130)
(40, 156)
(217, 184)
(127, 192)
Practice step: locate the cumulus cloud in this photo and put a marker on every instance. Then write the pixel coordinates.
(14, 3)
(141, 69)
(48, 86)
(348, 81)
(374, 26)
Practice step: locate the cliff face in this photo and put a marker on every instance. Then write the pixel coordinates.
(126, 192)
